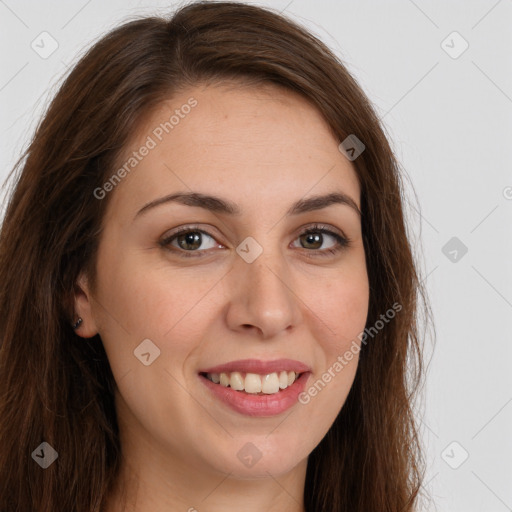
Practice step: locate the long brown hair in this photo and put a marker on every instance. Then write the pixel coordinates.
(56, 388)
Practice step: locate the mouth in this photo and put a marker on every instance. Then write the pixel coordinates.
(257, 388)
(253, 383)
(256, 395)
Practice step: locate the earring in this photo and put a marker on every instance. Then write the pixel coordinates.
(78, 323)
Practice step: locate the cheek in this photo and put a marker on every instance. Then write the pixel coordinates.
(173, 310)
(341, 308)
(351, 311)
(168, 306)
(340, 317)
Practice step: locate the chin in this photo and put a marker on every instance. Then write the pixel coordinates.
(254, 457)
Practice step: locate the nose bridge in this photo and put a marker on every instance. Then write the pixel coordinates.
(263, 294)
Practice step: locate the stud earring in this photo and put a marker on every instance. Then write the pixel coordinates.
(78, 323)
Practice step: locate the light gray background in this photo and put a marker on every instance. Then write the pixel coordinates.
(450, 122)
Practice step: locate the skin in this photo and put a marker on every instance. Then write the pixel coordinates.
(262, 148)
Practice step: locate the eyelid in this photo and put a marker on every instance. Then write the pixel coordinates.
(319, 226)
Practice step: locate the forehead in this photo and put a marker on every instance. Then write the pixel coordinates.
(237, 140)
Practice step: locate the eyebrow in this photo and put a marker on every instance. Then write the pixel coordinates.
(218, 205)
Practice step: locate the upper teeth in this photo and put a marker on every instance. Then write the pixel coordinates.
(254, 383)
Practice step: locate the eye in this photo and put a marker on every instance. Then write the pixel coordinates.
(189, 240)
(322, 241)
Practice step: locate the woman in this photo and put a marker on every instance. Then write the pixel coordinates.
(208, 296)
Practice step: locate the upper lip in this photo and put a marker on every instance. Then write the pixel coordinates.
(259, 367)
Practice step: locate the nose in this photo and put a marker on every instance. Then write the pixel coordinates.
(262, 298)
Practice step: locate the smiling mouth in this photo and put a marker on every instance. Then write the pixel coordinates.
(253, 383)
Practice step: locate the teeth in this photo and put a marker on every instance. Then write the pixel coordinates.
(270, 384)
(254, 383)
(224, 379)
(236, 381)
(283, 380)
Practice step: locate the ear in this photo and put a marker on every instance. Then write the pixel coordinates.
(83, 308)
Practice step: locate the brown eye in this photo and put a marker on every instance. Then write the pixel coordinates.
(189, 241)
(311, 240)
(320, 241)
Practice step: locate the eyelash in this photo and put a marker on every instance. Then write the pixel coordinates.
(342, 242)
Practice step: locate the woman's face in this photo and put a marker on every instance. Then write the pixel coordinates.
(244, 285)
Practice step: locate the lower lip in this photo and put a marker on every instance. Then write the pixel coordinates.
(259, 405)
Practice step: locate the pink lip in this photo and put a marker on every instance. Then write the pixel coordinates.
(259, 367)
(257, 405)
